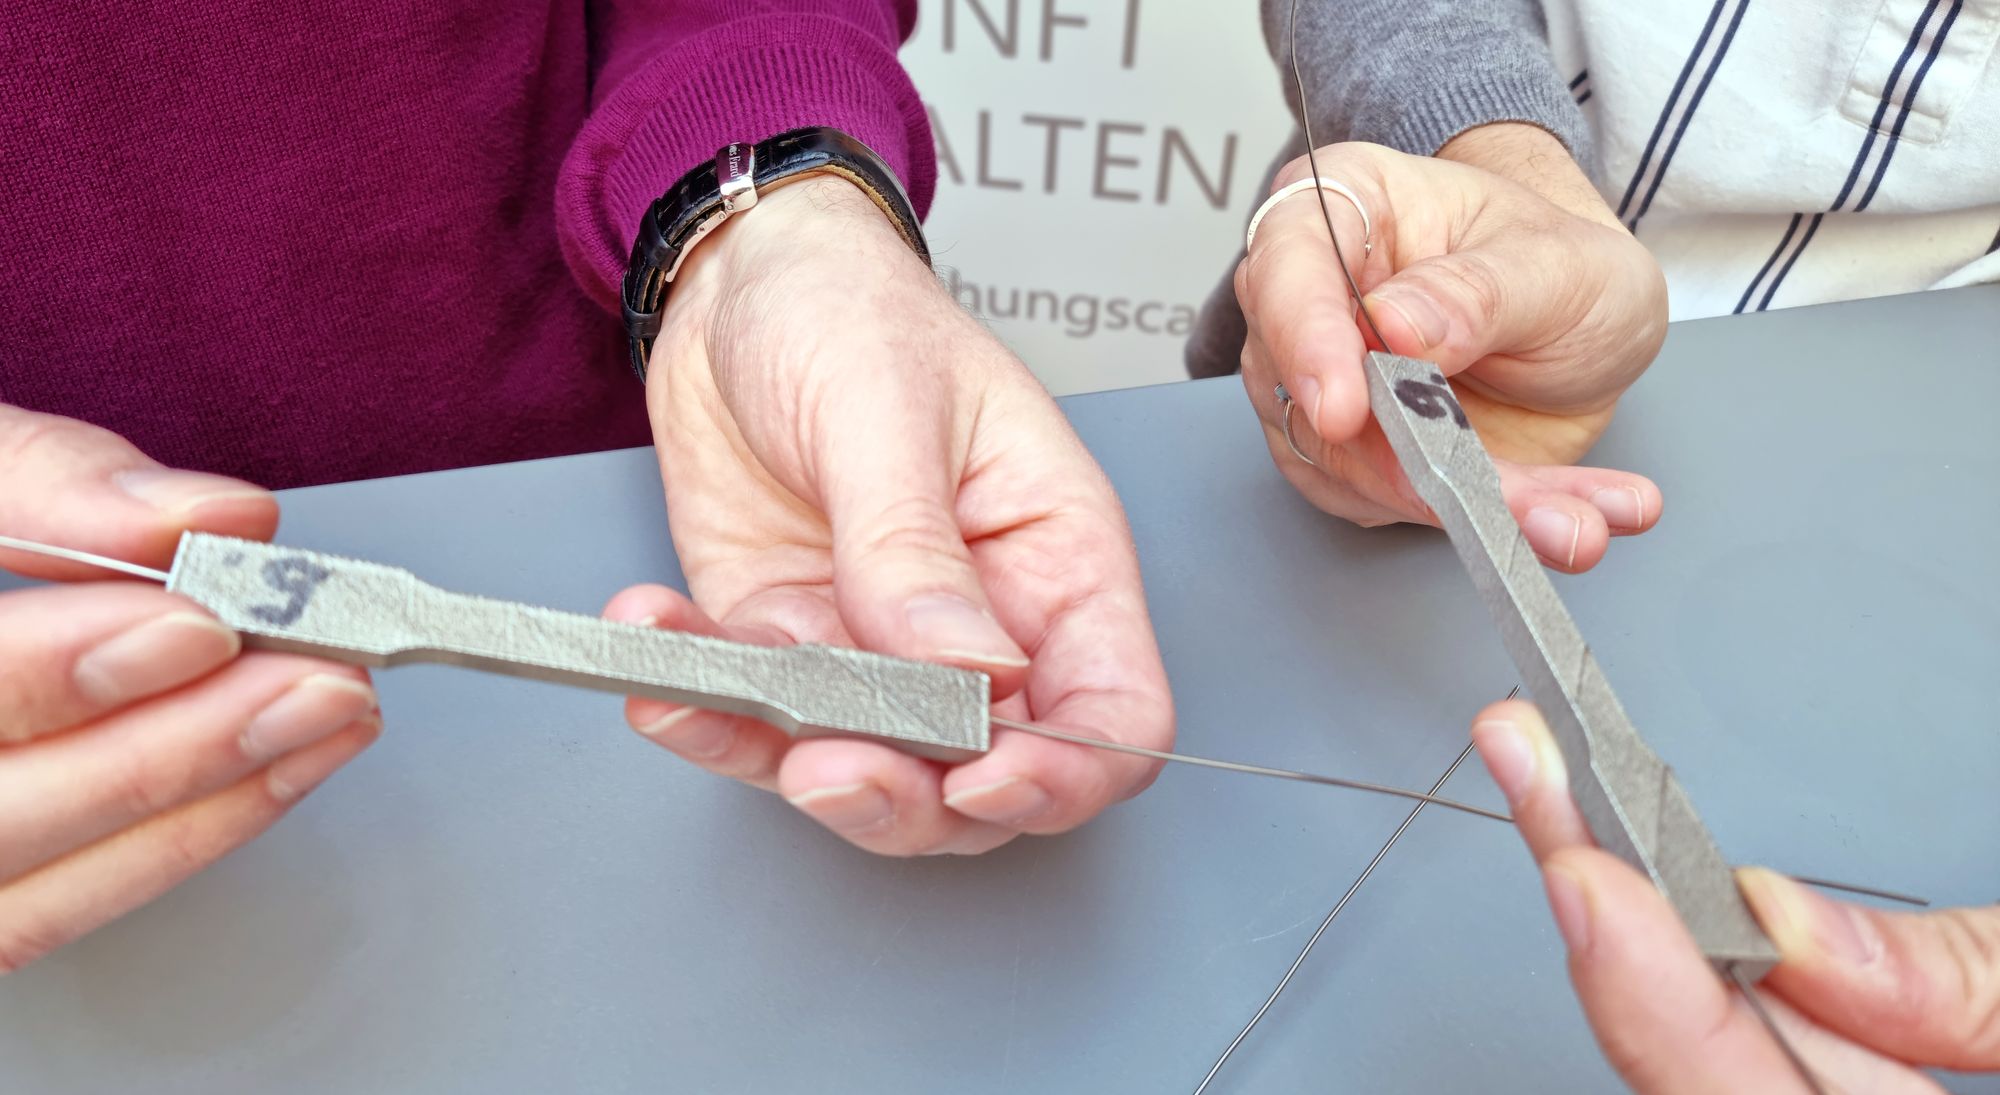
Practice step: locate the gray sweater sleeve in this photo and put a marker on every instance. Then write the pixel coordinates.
(1409, 74)
(1413, 74)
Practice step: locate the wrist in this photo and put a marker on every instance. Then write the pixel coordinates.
(1531, 156)
(801, 223)
(700, 208)
(808, 211)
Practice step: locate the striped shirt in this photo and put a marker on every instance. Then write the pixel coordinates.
(1773, 153)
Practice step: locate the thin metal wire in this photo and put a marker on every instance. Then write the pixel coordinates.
(1375, 788)
(161, 576)
(1312, 161)
(149, 574)
(53, 552)
(1326, 214)
(1770, 1021)
(1251, 769)
(1870, 891)
(1324, 924)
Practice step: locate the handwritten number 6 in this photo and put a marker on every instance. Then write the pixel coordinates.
(298, 579)
(1433, 400)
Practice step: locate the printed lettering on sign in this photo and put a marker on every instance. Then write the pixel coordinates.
(1097, 161)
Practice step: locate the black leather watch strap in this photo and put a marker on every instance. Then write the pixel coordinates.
(711, 193)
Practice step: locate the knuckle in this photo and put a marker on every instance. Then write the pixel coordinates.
(1250, 365)
(1079, 798)
(23, 705)
(1346, 157)
(1094, 576)
(1359, 164)
(911, 527)
(144, 785)
(741, 763)
(1631, 1056)
(185, 849)
(28, 434)
(1298, 167)
(1474, 280)
(1255, 271)
(1971, 942)
(21, 437)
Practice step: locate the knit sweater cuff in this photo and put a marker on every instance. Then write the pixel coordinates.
(1424, 122)
(747, 80)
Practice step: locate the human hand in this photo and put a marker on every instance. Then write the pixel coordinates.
(136, 745)
(851, 459)
(1865, 996)
(1540, 308)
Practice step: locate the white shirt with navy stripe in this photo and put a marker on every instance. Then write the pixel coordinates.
(1774, 153)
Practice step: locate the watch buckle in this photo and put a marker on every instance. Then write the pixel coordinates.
(736, 176)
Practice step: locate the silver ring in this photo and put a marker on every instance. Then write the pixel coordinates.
(1300, 187)
(1285, 400)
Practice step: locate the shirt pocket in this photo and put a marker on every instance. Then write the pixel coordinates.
(1920, 61)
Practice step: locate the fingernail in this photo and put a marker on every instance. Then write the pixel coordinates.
(181, 491)
(955, 628)
(979, 840)
(1420, 313)
(292, 776)
(1622, 507)
(848, 808)
(159, 654)
(1802, 922)
(310, 710)
(1308, 395)
(1571, 906)
(698, 739)
(1010, 801)
(1556, 528)
(1509, 756)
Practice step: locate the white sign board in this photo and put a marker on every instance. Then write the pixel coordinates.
(1097, 160)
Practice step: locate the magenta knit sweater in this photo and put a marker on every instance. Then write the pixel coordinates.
(305, 242)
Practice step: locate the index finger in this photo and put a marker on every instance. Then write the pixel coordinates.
(1296, 299)
(76, 486)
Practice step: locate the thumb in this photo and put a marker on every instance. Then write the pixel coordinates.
(1923, 987)
(903, 576)
(1523, 280)
(1458, 307)
(76, 486)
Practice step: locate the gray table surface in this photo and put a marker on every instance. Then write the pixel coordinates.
(512, 893)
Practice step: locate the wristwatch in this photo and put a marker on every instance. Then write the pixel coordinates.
(714, 192)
